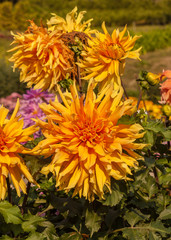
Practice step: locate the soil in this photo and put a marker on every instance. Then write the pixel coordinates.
(154, 62)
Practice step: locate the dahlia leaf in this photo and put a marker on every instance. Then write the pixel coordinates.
(11, 214)
(134, 216)
(35, 236)
(5, 237)
(133, 234)
(113, 199)
(71, 236)
(92, 222)
(166, 214)
(32, 222)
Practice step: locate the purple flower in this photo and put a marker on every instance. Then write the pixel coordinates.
(29, 107)
(32, 94)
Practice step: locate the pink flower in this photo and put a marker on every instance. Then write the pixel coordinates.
(166, 88)
(10, 101)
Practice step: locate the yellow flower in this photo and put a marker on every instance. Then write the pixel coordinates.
(42, 57)
(104, 57)
(86, 141)
(71, 24)
(11, 137)
(155, 110)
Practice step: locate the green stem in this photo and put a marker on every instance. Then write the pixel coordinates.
(139, 99)
(25, 198)
(78, 76)
(9, 191)
(124, 89)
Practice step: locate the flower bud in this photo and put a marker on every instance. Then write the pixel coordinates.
(167, 110)
(152, 79)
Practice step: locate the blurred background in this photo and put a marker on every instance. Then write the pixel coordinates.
(149, 18)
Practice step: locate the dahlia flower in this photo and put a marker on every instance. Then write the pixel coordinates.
(71, 24)
(166, 88)
(104, 57)
(42, 57)
(88, 144)
(12, 135)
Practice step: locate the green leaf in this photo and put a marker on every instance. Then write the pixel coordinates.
(150, 186)
(154, 236)
(71, 236)
(134, 216)
(149, 136)
(31, 222)
(36, 236)
(144, 232)
(166, 214)
(11, 214)
(5, 237)
(113, 199)
(167, 135)
(92, 222)
(133, 234)
(159, 227)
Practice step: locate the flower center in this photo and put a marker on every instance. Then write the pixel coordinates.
(112, 50)
(89, 131)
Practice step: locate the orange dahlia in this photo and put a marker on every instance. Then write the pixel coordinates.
(86, 141)
(104, 57)
(11, 137)
(72, 23)
(42, 57)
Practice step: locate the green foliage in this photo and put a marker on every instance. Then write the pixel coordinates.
(11, 214)
(28, 226)
(154, 39)
(112, 12)
(6, 16)
(9, 81)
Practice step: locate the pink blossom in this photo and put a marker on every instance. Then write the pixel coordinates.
(166, 88)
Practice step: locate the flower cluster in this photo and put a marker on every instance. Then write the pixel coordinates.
(83, 133)
(45, 58)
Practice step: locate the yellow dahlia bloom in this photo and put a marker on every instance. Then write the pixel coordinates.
(11, 137)
(72, 23)
(87, 143)
(42, 57)
(104, 57)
